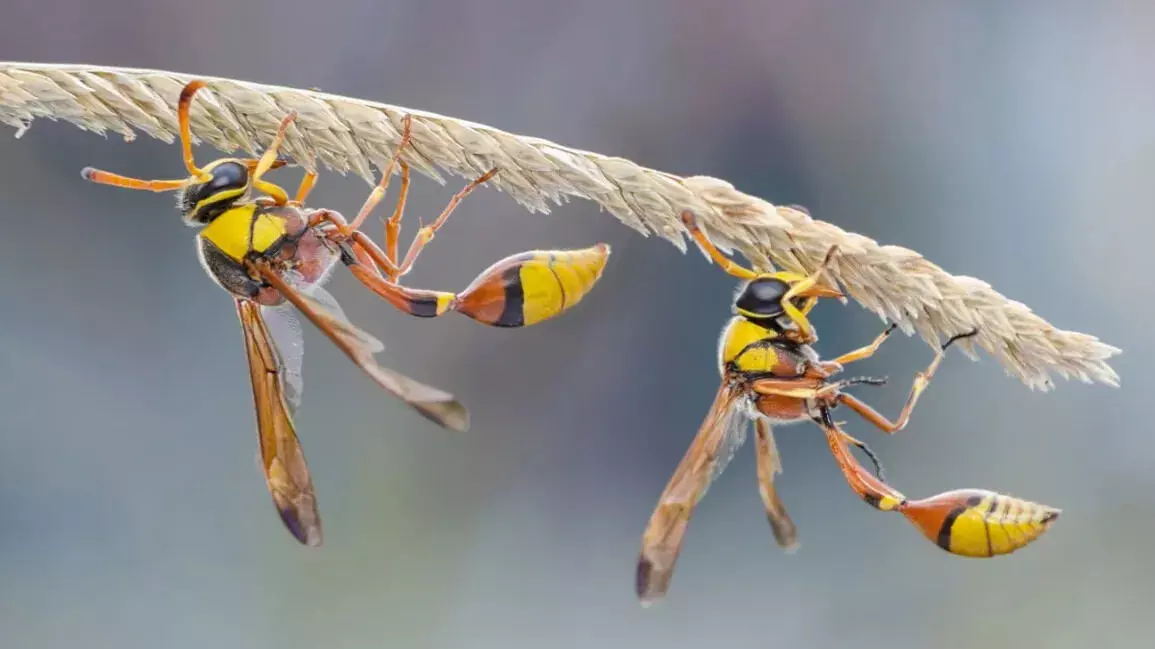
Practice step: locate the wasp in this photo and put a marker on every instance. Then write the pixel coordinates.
(273, 254)
(772, 375)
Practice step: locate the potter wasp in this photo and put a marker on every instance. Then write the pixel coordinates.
(772, 375)
(272, 255)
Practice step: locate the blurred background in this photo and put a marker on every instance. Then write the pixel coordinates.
(1013, 143)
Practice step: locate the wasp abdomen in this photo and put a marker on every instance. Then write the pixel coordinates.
(534, 286)
(979, 523)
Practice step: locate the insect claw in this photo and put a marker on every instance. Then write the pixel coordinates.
(957, 337)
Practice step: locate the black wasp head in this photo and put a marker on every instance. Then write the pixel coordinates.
(761, 298)
(201, 202)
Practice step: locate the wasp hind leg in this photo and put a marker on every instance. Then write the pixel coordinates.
(370, 265)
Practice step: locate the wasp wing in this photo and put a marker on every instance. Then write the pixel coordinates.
(720, 434)
(282, 459)
(317, 305)
(785, 533)
(285, 330)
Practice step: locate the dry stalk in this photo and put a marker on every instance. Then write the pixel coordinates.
(346, 134)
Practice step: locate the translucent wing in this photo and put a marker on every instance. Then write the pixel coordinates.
(436, 405)
(708, 453)
(734, 425)
(286, 333)
(329, 303)
(283, 461)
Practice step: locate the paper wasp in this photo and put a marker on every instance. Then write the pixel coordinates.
(272, 254)
(771, 374)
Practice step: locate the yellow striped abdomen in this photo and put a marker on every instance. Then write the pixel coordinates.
(534, 286)
(979, 523)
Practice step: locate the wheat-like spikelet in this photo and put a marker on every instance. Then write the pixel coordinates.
(348, 134)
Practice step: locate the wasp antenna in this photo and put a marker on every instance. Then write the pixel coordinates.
(183, 105)
(94, 175)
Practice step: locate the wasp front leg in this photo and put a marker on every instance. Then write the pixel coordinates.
(305, 188)
(921, 381)
(832, 367)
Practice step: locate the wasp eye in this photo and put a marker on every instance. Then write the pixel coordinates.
(762, 298)
(203, 202)
(227, 175)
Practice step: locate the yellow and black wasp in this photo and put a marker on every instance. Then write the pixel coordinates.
(273, 254)
(771, 375)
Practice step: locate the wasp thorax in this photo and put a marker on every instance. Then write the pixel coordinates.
(200, 203)
(762, 298)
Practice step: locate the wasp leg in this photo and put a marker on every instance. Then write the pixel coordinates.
(921, 381)
(807, 387)
(366, 261)
(414, 301)
(879, 472)
(769, 465)
(386, 174)
(426, 233)
(725, 263)
(276, 192)
(393, 225)
(802, 287)
(862, 353)
(520, 290)
(366, 251)
(872, 490)
(305, 188)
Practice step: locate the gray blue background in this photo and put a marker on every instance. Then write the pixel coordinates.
(1014, 142)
